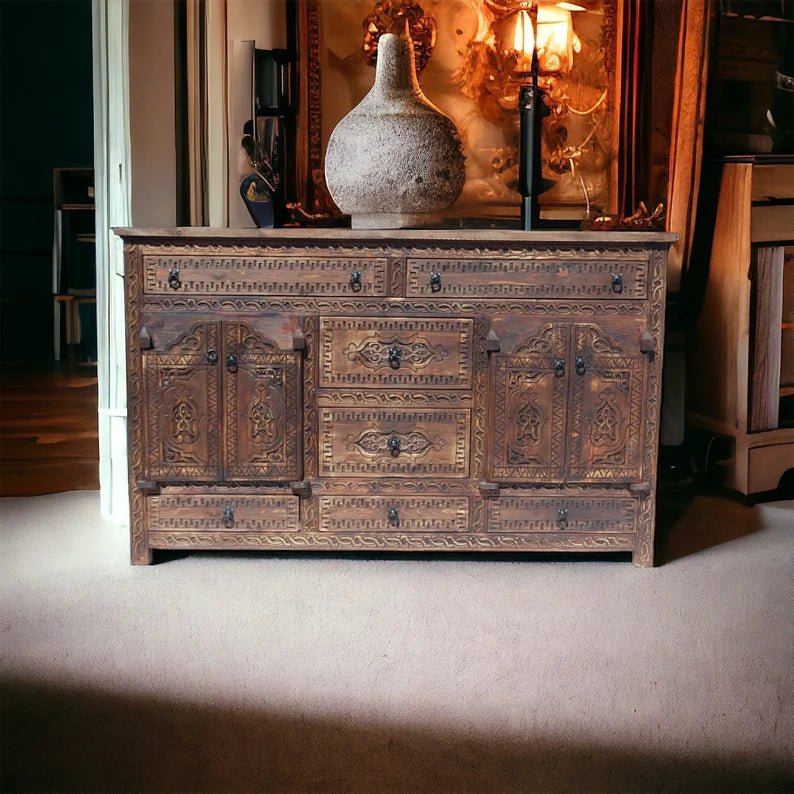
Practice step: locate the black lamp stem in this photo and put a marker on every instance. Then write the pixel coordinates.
(530, 117)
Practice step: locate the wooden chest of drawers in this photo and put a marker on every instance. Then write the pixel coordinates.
(430, 391)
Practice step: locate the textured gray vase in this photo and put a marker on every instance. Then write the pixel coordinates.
(395, 160)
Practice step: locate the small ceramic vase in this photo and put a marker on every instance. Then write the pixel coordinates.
(395, 160)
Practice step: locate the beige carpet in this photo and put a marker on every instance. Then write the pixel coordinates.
(244, 672)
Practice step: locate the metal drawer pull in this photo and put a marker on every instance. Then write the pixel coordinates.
(212, 357)
(231, 362)
(580, 365)
(228, 517)
(173, 278)
(394, 446)
(395, 357)
(617, 282)
(355, 281)
(562, 517)
(394, 516)
(559, 367)
(435, 282)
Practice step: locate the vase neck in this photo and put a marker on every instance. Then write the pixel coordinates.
(395, 70)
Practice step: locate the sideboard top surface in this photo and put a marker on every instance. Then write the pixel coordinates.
(344, 235)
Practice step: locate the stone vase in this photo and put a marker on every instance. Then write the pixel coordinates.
(395, 160)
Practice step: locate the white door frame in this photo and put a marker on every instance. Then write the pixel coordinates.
(112, 164)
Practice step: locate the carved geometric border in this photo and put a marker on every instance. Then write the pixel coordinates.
(530, 277)
(539, 514)
(551, 309)
(403, 330)
(393, 541)
(264, 513)
(277, 274)
(416, 513)
(456, 466)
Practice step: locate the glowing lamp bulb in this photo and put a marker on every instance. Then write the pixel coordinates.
(523, 36)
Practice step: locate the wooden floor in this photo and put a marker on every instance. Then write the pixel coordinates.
(48, 429)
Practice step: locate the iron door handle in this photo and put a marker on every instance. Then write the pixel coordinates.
(435, 281)
(562, 518)
(231, 362)
(228, 517)
(355, 281)
(581, 367)
(173, 278)
(559, 367)
(212, 357)
(617, 283)
(394, 516)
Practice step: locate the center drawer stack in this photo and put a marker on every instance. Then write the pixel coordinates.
(394, 399)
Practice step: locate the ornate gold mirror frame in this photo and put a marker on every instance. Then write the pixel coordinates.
(597, 141)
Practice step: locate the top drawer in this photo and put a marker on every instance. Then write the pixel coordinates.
(578, 277)
(273, 274)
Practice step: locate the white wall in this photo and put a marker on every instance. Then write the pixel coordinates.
(263, 21)
(152, 112)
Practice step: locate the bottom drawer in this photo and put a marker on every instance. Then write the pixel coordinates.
(220, 512)
(561, 514)
(390, 513)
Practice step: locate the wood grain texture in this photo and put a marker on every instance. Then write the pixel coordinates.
(686, 151)
(460, 418)
(720, 360)
(773, 182)
(48, 430)
(767, 340)
(734, 393)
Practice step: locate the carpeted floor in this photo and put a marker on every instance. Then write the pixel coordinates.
(244, 672)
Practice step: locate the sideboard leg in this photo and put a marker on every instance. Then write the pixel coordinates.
(141, 556)
(642, 558)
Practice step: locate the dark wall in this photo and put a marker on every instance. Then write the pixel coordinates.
(46, 121)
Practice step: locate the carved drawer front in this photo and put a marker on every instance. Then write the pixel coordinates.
(385, 442)
(223, 513)
(274, 274)
(562, 514)
(564, 276)
(394, 514)
(400, 352)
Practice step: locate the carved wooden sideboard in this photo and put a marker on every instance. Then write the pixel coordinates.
(486, 391)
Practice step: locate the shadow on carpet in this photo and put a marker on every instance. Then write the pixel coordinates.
(57, 738)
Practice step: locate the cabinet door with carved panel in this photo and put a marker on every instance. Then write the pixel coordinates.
(568, 401)
(181, 401)
(260, 397)
(529, 402)
(606, 413)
